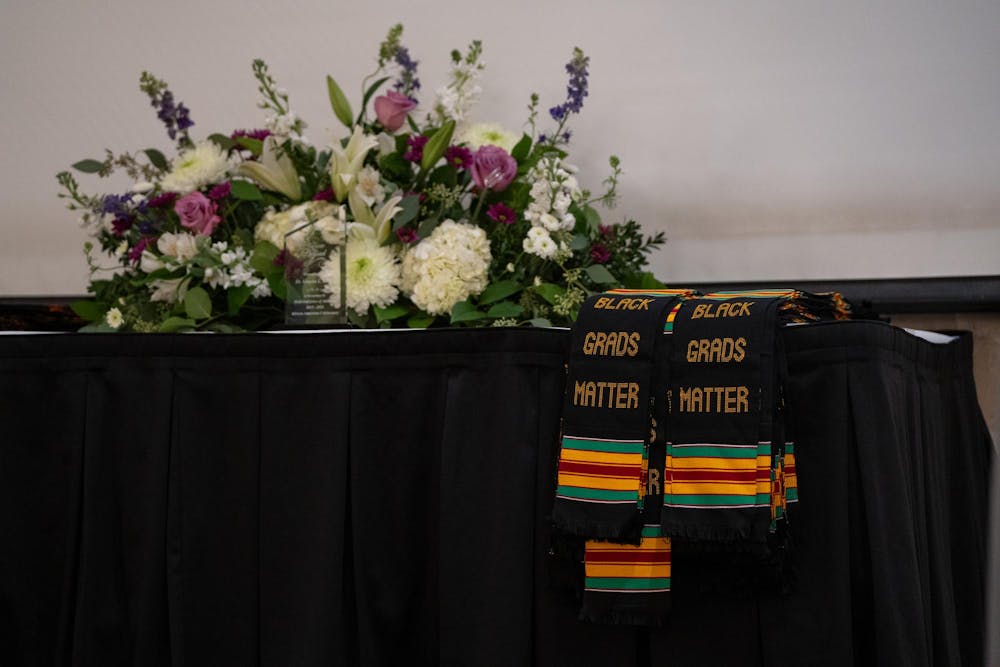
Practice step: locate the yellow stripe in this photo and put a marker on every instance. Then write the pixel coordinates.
(605, 483)
(600, 457)
(721, 488)
(712, 463)
(648, 544)
(642, 570)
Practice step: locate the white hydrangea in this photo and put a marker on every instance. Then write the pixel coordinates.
(205, 164)
(372, 274)
(450, 265)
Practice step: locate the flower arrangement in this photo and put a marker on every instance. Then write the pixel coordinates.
(442, 221)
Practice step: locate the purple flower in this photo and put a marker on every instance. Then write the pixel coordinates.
(176, 117)
(259, 135)
(163, 200)
(502, 213)
(459, 157)
(606, 231)
(392, 108)
(122, 225)
(493, 168)
(197, 213)
(407, 235)
(293, 265)
(407, 81)
(416, 142)
(116, 205)
(220, 191)
(135, 254)
(599, 253)
(324, 195)
(576, 90)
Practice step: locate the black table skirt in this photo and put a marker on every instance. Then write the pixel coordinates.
(375, 497)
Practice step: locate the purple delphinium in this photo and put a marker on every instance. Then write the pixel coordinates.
(407, 83)
(416, 145)
(502, 213)
(459, 157)
(576, 90)
(407, 235)
(175, 116)
(599, 253)
(117, 205)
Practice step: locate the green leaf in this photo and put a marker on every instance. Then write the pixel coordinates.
(419, 321)
(197, 304)
(549, 292)
(97, 327)
(463, 311)
(371, 91)
(505, 309)
(276, 281)
(224, 327)
(411, 207)
(600, 275)
(255, 146)
(427, 226)
(592, 217)
(540, 322)
(498, 290)
(246, 191)
(579, 242)
(222, 141)
(521, 149)
(262, 259)
(172, 324)
(157, 159)
(92, 311)
(341, 107)
(88, 166)
(236, 297)
(436, 145)
(390, 313)
(645, 280)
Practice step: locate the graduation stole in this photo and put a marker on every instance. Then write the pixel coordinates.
(724, 470)
(608, 414)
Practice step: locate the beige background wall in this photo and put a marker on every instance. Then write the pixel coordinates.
(769, 139)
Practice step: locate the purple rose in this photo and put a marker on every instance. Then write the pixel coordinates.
(391, 109)
(197, 213)
(493, 168)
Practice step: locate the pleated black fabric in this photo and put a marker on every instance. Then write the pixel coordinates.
(380, 497)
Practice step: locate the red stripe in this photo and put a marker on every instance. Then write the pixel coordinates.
(708, 475)
(599, 468)
(662, 557)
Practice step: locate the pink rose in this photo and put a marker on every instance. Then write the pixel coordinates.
(197, 213)
(391, 109)
(493, 168)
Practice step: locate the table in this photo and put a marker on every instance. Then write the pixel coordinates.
(365, 497)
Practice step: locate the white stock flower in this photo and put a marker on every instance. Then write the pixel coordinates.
(197, 167)
(372, 273)
(484, 134)
(448, 266)
(539, 243)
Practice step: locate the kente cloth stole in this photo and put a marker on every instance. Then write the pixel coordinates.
(608, 414)
(724, 478)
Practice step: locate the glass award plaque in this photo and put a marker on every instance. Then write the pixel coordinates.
(315, 268)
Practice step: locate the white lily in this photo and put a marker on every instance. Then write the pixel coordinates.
(274, 172)
(381, 222)
(346, 162)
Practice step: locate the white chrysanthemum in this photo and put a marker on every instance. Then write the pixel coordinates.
(485, 134)
(538, 242)
(372, 274)
(197, 167)
(114, 318)
(448, 266)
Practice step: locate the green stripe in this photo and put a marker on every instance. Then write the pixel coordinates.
(652, 531)
(709, 500)
(718, 452)
(597, 494)
(668, 327)
(763, 498)
(789, 448)
(600, 446)
(791, 494)
(627, 583)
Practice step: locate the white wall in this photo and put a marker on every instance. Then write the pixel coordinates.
(770, 140)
